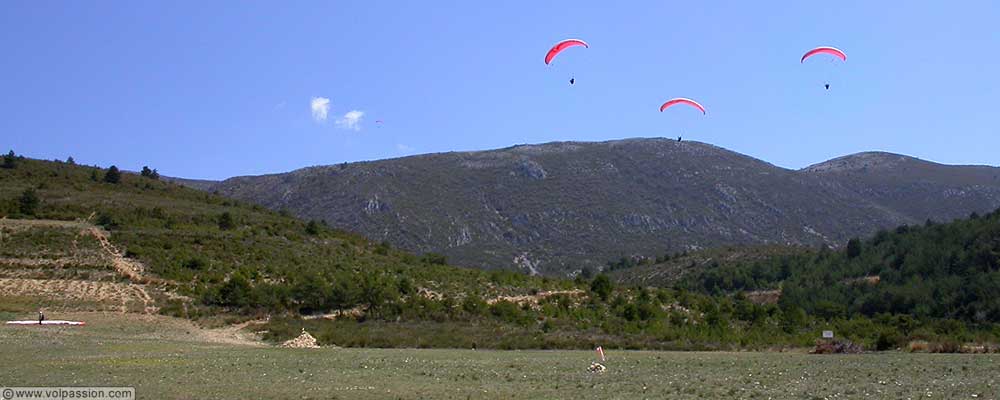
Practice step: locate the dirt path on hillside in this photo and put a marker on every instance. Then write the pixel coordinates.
(355, 312)
(131, 269)
(764, 296)
(535, 298)
(234, 334)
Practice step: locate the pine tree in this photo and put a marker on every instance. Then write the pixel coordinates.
(10, 160)
(226, 221)
(601, 286)
(149, 173)
(113, 175)
(853, 248)
(312, 228)
(28, 202)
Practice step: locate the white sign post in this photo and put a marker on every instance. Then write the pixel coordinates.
(827, 334)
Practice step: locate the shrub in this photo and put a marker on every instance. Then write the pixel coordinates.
(226, 221)
(473, 305)
(405, 285)
(506, 311)
(235, 292)
(602, 287)
(28, 202)
(434, 259)
(9, 161)
(918, 346)
(946, 346)
(312, 228)
(149, 173)
(888, 340)
(113, 176)
(195, 263)
(105, 221)
(853, 248)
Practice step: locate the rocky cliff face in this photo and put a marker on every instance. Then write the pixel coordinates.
(558, 207)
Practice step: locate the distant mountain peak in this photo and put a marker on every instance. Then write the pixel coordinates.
(867, 160)
(564, 146)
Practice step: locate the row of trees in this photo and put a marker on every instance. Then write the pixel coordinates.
(635, 261)
(29, 202)
(112, 175)
(311, 293)
(10, 160)
(658, 314)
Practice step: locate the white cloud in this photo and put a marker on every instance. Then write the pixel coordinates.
(402, 148)
(351, 120)
(320, 107)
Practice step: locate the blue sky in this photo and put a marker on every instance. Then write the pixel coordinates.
(217, 89)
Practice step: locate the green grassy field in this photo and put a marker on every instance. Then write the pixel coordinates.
(166, 358)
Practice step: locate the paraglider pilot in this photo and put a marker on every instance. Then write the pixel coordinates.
(827, 86)
(572, 81)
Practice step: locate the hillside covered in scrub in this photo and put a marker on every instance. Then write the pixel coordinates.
(224, 253)
(155, 246)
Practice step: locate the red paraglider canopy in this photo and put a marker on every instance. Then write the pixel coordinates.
(563, 45)
(824, 50)
(681, 100)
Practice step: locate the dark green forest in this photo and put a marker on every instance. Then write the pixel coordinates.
(933, 271)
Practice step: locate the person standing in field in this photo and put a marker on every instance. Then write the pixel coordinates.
(41, 316)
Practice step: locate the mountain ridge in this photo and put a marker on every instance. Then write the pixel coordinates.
(208, 184)
(560, 207)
